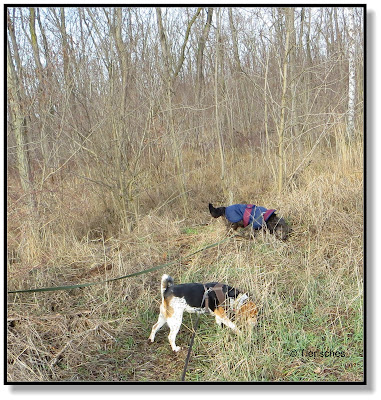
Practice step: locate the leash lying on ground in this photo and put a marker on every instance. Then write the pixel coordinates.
(190, 349)
(218, 290)
(145, 271)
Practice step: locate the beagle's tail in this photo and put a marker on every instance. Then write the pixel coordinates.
(166, 282)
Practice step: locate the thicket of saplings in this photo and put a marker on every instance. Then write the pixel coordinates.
(123, 163)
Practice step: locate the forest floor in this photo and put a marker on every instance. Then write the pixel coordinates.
(309, 290)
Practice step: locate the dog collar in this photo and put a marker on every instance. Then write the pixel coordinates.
(242, 300)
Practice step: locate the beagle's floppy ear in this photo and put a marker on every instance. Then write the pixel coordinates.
(216, 212)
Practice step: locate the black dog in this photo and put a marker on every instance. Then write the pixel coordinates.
(242, 215)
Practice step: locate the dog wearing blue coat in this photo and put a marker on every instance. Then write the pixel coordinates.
(257, 217)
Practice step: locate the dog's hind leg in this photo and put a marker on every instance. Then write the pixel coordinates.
(160, 322)
(174, 323)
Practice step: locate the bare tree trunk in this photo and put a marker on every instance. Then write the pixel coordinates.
(237, 61)
(293, 86)
(281, 127)
(352, 78)
(16, 54)
(119, 193)
(43, 106)
(266, 119)
(45, 45)
(308, 37)
(65, 49)
(122, 195)
(33, 37)
(169, 90)
(68, 68)
(218, 63)
(301, 33)
(171, 72)
(339, 43)
(123, 57)
(18, 122)
(200, 54)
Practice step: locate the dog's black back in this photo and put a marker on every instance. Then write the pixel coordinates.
(193, 293)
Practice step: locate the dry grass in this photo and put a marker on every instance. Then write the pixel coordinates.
(309, 289)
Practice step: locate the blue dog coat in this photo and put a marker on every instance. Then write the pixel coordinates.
(249, 213)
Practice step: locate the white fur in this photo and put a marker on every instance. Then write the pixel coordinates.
(179, 305)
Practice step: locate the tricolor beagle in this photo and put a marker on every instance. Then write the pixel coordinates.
(216, 298)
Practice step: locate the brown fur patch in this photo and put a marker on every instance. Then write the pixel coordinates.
(220, 312)
(248, 312)
(167, 307)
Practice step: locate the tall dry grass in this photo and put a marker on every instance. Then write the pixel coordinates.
(309, 289)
